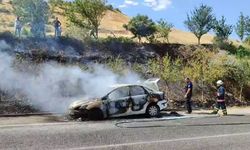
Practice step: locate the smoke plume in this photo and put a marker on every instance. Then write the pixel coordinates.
(53, 86)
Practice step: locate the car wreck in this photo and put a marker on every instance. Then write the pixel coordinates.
(122, 100)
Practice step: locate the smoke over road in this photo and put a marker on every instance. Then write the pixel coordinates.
(54, 86)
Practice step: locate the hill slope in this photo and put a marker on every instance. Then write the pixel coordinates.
(111, 25)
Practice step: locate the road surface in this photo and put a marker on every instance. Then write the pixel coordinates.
(198, 133)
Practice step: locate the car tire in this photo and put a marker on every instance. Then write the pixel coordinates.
(95, 114)
(153, 111)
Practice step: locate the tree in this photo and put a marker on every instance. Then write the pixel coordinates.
(240, 28)
(222, 30)
(163, 29)
(200, 21)
(35, 12)
(87, 14)
(247, 21)
(141, 26)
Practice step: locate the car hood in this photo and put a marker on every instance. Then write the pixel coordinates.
(82, 103)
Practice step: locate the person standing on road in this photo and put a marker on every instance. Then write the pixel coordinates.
(188, 95)
(57, 25)
(18, 27)
(220, 104)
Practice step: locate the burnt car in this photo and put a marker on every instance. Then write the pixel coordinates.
(122, 100)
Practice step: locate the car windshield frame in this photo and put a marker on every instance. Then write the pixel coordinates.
(106, 97)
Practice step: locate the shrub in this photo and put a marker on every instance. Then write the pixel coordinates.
(138, 68)
(117, 65)
(224, 45)
(242, 52)
(76, 32)
(166, 68)
(117, 9)
(110, 7)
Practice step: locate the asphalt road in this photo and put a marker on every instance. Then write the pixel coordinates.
(202, 133)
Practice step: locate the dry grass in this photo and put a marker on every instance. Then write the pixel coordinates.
(181, 37)
(6, 18)
(111, 25)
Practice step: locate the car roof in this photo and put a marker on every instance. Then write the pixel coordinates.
(150, 84)
(123, 85)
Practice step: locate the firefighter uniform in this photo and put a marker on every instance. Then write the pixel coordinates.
(220, 104)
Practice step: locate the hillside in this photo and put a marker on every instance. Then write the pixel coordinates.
(111, 25)
(145, 59)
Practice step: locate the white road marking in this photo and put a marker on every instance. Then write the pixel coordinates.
(158, 141)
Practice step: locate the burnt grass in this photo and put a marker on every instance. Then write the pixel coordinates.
(69, 50)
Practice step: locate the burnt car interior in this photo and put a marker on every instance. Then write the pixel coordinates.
(123, 98)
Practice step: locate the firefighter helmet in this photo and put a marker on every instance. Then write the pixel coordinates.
(219, 83)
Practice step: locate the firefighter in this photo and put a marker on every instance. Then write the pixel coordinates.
(220, 104)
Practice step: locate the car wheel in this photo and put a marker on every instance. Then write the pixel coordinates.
(95, 114)
(153, 110)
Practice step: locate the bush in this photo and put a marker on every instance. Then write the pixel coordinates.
(117, 65)
(242, 52)
(110, 7)
(76, 32)
(138, 68)
(224, 45)
(117, 9)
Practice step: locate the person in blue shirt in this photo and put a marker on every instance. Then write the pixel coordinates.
(220, 104)
(188, 95)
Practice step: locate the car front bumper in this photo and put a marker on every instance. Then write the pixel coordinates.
(162, 104)
(75, 114)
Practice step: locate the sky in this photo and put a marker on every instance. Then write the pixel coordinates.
(175, 11)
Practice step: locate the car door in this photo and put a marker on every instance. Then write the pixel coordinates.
(118, 101)
(138, 97)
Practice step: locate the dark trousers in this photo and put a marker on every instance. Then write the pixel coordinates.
(221, 105)
(189, 104)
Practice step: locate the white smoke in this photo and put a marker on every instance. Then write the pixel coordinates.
(53, 87)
